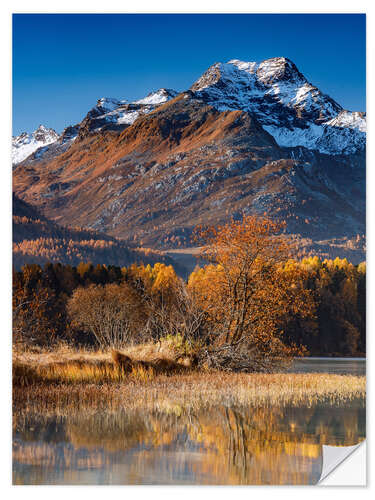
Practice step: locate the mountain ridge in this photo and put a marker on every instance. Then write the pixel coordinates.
(187, 159)
(239, 85)
(290, 108)
(109, 113)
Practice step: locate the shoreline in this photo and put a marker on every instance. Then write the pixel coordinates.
(187, 392)
(339, 358)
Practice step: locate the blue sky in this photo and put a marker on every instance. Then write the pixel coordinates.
(63, 63)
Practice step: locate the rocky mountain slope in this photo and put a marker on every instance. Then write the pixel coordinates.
(246, 138)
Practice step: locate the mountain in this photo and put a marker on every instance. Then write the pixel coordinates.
(25, 144)
(292, 110)
(108, 114)
(114, 114)
(38, 240)
(246, 138)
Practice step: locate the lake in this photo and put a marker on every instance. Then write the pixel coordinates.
(338, 366)
(227, 445)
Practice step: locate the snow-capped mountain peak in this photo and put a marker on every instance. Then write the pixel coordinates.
(285, 103)
(110, 112)
(279, 69)
(158, 97)
(110, 103)
(25, 144)
(288, 106)
(268, 72)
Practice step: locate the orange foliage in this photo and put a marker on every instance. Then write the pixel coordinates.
(245, 289)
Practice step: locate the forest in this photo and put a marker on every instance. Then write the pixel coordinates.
(37, 240)
(249, 301)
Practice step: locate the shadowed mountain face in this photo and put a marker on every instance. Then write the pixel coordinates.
(209, 154)
(38, 240)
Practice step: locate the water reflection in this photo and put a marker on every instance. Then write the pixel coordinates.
(337, 366)
(224, 446)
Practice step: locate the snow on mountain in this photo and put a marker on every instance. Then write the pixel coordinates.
(108, 111)
(354, 120)
(289, 107)
(121, 112)
(158, 97)
(201, 165)
(109, 103)
(69, 133)
(25, 144)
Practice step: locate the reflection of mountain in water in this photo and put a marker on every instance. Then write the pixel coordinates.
(225, 446)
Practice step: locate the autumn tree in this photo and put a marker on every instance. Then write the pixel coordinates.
(247, 293)
(209, 308)
(37, 311)
(170, 308)
(112, 313)
(339, 292)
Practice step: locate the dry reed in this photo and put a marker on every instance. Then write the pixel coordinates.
(66, 386)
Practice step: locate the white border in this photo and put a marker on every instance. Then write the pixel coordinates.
(268, 6)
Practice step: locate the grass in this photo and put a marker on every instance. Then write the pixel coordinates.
(65, 353)
(68, 365)
(90, 381)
